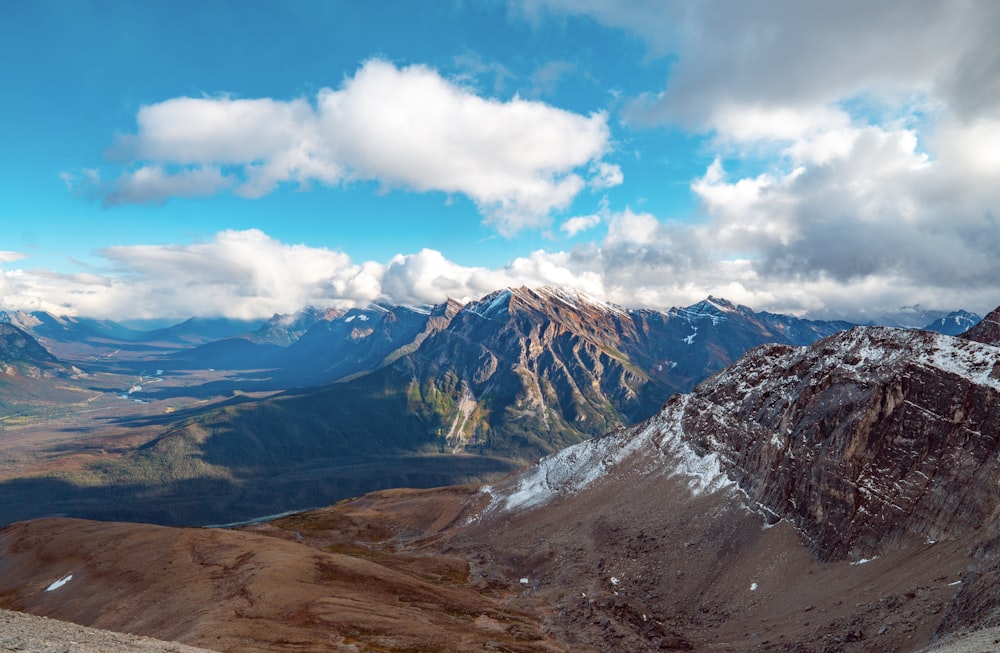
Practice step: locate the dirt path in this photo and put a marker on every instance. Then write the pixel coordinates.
(31, 634)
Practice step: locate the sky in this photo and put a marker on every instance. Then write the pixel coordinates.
(168, 159)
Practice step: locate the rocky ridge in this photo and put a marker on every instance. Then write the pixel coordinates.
(863, 438)
(987, 330)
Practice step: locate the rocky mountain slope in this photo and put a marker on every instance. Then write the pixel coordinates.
(477, 389)
(987, 331)
(524, 372)
(836, 497)
(31, 377)
(864, 438)
(876, 449)
(22, 355)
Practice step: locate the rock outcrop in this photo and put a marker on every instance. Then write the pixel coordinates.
(987, 331)
(861, 439)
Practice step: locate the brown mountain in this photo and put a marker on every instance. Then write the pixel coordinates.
(424, 397)
(837, 497)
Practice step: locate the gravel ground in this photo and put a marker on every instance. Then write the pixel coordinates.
(31, 634)
(980, 641)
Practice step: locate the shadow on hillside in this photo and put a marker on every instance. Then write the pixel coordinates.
(197, 502)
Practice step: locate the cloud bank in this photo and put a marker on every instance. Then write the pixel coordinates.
(641, 262)
(874, 129)
(407, 128)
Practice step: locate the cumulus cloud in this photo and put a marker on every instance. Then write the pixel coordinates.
(406, 128)
(642, 262)
(874, 130)
(248, 274)
(877, 207)
(153, 185)
(857, 143)
(793, 55)
(580, 223)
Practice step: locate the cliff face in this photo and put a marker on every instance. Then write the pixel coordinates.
(523, 371)
(526, 371)
(987, 331)
(861, 439)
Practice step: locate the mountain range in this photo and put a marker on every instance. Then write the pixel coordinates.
(840, 496)
(362, 399)
(373, 398)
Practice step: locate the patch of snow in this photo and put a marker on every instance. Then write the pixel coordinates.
(496, 306)
(59, 583)
(577, 467)
(690, 339)
(957, 582)
(576, 298)
(863, 561)
(753, 587)
(968, 359)
(615, 581)
(704, 473)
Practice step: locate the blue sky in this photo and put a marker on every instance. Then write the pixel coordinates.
(168, 159)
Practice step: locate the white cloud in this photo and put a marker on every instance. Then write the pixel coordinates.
(152, 185)
(606, 175)
(580, 223)
(872, 130)
(10, 257)
(636, 228)
(873, 207)
(643, 262)
(406, 128)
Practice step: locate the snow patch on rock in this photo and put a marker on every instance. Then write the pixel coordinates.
(577, 467)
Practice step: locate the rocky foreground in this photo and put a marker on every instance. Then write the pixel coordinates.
(31, 634)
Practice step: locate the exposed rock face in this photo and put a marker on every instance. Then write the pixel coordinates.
(861, 439)
(21, 354)
(536, 370)
(987, 331)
